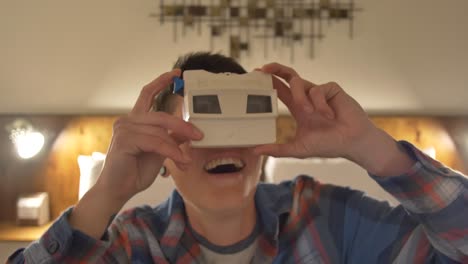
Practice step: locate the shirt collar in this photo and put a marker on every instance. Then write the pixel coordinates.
(271, 202)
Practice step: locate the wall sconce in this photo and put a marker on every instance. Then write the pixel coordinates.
(28, 142)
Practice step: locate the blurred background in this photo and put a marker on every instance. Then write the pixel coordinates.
(68, 69)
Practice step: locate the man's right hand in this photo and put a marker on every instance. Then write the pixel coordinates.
(141, 141)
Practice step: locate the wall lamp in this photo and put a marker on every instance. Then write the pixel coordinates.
(28, 141)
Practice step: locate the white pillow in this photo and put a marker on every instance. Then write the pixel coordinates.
(90, 169)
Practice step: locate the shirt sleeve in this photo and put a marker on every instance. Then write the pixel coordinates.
(435, 197)
(429, 226)
(60, 243)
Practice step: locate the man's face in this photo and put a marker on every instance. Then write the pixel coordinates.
(206, 186)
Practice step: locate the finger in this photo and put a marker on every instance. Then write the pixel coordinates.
(299, 95)
(172, 138)
(322, 94)
(280, 70)
(275, 150)
(284, 93)
(150, 130)
(179, 139)
(317, 97)
(169, 137)
(299, 91)
(134, 139)
(309, 84)
(149, 91)
(157, 145)
(169, 122)
(285, 72)
(330, 90)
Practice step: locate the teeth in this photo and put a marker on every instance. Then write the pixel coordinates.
(214, 163)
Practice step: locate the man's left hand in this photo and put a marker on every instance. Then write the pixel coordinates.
(330, 123)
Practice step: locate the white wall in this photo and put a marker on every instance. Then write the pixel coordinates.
(403, 54)
(7, 248)
(334, 171)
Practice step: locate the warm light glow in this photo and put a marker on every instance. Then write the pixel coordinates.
(28, 143)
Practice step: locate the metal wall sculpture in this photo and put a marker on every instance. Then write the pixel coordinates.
(273, 22)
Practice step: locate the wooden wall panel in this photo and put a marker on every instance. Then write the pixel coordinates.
(457, 128)
(423, 132)
(18, 176)
(60, 178)
(285, 129)
(55, 170)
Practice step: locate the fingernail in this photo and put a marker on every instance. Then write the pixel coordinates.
(329, 115)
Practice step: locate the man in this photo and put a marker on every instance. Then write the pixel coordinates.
(231, 218)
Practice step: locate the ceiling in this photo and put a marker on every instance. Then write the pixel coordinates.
(90, 56)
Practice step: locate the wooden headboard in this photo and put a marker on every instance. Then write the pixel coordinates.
(55, 170)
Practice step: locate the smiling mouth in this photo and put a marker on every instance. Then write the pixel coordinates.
(224, 165)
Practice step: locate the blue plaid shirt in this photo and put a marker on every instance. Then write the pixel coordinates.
(302, 221)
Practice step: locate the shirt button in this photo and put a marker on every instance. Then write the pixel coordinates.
(53, 247)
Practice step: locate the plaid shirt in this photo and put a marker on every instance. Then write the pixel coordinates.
(302, 221)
